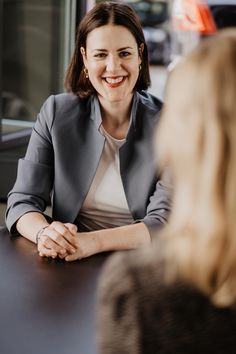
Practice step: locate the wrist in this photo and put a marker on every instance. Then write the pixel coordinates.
(40, 233)
(103, 240)
(95, 242)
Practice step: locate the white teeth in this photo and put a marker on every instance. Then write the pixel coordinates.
(114, 81)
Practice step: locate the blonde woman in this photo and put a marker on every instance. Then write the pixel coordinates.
(180, 295)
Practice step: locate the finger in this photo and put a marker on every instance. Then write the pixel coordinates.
(59, 241)
(72, 228)
(72, 257)
(62, 256)
(45, 252)
(48, 243)
(64, 232)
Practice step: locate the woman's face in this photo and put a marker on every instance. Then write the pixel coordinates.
(112, 60)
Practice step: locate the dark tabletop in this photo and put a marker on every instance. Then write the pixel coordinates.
(46, 306)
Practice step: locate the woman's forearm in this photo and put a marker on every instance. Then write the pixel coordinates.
(122, 238)
(29, 224)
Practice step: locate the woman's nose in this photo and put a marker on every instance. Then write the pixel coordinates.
(113, 63)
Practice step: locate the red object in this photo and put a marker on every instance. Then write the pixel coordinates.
(194, 15)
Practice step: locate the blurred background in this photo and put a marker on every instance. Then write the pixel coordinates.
(37, 40)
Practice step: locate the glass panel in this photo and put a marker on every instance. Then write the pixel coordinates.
(36, 42)
(33, 58)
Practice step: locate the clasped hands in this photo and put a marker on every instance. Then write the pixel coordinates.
(63, 241)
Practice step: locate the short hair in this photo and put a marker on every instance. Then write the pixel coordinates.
(100, 15)
(196, 140)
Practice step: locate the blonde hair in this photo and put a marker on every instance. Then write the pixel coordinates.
(196, 139)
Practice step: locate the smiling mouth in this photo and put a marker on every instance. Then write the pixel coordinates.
(114, 81)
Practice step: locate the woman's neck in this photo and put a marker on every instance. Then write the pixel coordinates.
(115, 117)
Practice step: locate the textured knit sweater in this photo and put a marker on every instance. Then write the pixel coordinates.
(138, 312)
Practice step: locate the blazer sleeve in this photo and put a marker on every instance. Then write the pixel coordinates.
(35, 173)
(159, 206)
(117, 310)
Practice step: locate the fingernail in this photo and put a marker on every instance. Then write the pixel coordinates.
(72, 250)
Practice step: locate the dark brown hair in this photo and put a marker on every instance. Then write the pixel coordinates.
(100, 15)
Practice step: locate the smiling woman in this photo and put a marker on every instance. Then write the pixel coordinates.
(91, 148)
(110, 63)
(113, 69)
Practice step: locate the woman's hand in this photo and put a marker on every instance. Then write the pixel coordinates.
(58, 239)
(87, 244)
(63, 240)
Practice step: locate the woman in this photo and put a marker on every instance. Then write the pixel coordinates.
(180, 296)
(91, 148)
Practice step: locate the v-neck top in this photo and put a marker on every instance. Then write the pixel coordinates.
(105, 205)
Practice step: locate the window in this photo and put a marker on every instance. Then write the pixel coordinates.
(36, 38)
(36, 43)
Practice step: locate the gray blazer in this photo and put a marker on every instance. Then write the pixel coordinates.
(64, 152)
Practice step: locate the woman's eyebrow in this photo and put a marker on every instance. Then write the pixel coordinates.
(105, 50)
(124, 48)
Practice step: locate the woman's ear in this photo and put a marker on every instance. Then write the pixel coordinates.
(140, 51)
(83, 53)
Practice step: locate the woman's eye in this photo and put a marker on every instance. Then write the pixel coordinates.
(124, 54)
(100, 55)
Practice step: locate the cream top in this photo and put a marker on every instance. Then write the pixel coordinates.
(105, 205)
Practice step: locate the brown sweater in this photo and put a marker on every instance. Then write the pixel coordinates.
(139, 313)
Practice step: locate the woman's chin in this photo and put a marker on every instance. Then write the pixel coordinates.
(117, 96)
